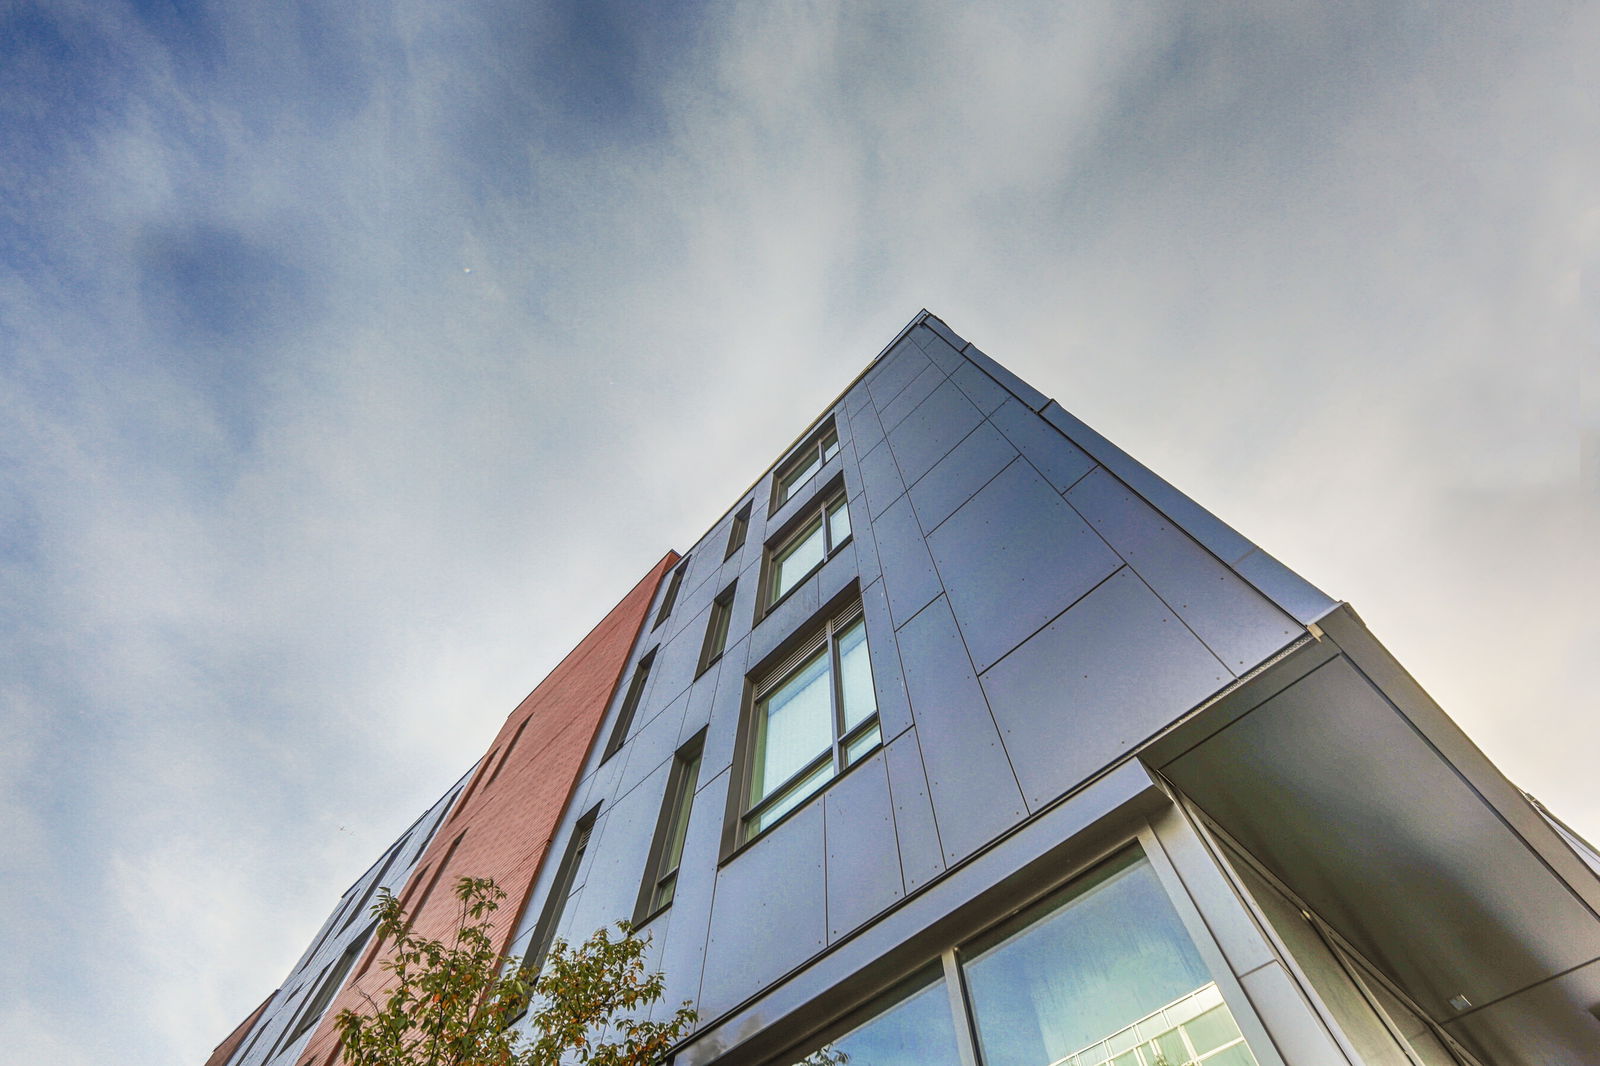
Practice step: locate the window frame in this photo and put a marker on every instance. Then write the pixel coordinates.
(674, 586)
(718, 626)
(672, 829)
(824, 638)
(786, 479)
(739, 531)
(816, 516)
(630, 704)
(555, 905)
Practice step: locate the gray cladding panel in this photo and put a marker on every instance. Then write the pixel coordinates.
(944, 356)
(894, 712)
(975, 795)
(921, 857)
(1019, 388)
(865, 428)
(1057, 458)
(928, 433)
(1012, 558)
(676, 663)
(1225, 543)
(652, 744)
(781, 622)
(770, 911)
(1090, 686)
(863, 859)
(897, 370)
(907, 399)
(908, 574)
(880, 478)
(864, 543)
(1096, 682)
(615, 858)
(979, 387)
(1234, 620)
(951, 483)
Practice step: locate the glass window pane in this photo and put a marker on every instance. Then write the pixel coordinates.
(855, 675)
(797, 793)
(796, 723)
(799, 475)
(915, 1032)
(830, 446)
(1103, 956)
(664, 891)
(861, 745)
(838, 522)
(797, 560)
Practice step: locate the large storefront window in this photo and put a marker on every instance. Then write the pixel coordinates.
(916, 1031)
(1102, 973)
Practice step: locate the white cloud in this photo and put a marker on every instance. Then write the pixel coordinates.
(1314, 266)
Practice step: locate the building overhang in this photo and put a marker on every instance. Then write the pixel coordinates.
(1337, 772)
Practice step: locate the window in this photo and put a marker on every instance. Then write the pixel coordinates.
(738, 532)
(661, 878)
(915, 1029)
(544, 934)
(816, 716)
(717, 629)
(672, 593)
(803, 464)
(821, 534)
(630, 705)
(1101, 973)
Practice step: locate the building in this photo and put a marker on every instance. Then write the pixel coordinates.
(964, 738)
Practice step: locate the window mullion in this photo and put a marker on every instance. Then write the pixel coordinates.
(838, 695)
(961, 1014)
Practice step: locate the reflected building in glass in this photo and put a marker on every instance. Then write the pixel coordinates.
(963, 738)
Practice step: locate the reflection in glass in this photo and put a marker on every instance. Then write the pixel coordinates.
(1103, 973)
(838, 523)
(796, 725)
(855, 676)
(917, 1031)
(798, 559)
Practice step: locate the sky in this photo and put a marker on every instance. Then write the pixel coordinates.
(356, 358)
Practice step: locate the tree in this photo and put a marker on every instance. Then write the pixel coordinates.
(453, 1004)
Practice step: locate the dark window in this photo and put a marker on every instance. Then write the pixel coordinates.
(814, 716)
(803, 465)
(822, 532)
(737, 533)
(544, 933)
(630, 705)
(672, 593)
(717, 629)
(661, 877)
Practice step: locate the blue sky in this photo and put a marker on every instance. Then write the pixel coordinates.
(354, 359)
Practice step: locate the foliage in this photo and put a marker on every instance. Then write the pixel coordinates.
(453, 1003)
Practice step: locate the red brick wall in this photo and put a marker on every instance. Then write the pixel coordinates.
(501, 828)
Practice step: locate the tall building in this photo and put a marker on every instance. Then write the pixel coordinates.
(963, 738)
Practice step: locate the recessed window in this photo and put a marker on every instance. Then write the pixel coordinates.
(661, 880)
(630, 705)
(671, 597)
(738, 531)
(717, 629)
(803, 465)
(813, 717)
(550, 918)
(821, 534)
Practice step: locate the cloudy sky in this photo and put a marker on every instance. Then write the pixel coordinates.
(355, 358)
